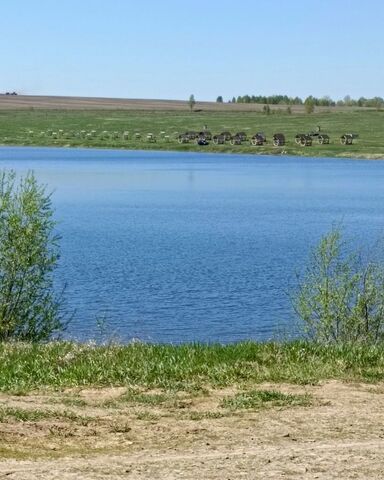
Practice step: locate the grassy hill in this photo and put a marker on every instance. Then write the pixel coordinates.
(101, 123)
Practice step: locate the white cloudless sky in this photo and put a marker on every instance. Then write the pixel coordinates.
(170, 49)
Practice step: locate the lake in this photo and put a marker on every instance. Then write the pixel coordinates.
(181, 247)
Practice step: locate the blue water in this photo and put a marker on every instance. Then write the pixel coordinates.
(174, 247)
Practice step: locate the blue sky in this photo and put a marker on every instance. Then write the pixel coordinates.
(170, 49)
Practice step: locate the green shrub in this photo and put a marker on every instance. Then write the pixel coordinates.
(309, 105)
(29, 309)
(267, 109)
(341, 299)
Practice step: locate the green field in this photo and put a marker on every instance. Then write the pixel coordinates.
(84, 128)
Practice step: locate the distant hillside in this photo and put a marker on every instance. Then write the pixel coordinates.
(21, 102)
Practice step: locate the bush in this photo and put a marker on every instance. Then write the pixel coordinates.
(267, 109)
(29, 308)
(309, 105)
(341, 299)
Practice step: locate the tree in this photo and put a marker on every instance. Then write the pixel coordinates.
(341, 298)
(325, 101)
(191, 102)
(219, 99)
(309, 105)
(29, 308)
(267, 109)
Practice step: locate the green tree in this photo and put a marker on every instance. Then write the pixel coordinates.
(29, 308)
(267, 109)
(219, 99)
(191, 102)
(309, 105)
(341, 299)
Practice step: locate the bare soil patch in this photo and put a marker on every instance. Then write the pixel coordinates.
(22, 102)
(115, 433)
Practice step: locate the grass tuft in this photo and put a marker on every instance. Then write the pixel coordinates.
(147, 416)
(30, 415)
(256, 399)
(197, 416)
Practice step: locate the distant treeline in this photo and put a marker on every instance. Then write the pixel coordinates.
(376, 102)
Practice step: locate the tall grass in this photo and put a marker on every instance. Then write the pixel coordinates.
(25, 367)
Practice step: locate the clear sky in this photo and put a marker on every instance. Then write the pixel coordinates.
(170, 49)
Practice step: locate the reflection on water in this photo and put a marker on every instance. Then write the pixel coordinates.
(177, 247)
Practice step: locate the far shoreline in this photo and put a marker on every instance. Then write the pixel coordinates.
(369, 157)
(156, 129)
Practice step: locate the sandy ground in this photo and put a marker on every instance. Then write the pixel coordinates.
(340, 435)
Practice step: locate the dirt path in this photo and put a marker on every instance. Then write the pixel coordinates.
(99, 434)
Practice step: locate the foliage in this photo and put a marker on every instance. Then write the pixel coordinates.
(267, 109)
(309, 105)
(272, 99)
(29, 310)
(191, 102)
(326, 101)
(341, 299)
(219, 99)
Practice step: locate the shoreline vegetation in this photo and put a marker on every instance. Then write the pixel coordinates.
(156, 125)
(28, 367)
(290, 410)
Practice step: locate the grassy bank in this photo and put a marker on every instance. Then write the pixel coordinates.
(26, 367)
(86, 403)
(35, 127)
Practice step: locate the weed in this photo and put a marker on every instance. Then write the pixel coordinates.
(73, 402)
(120, 427)
(150, 399)
(205, 415)
(148, 416)
(256, 399)
(23, 415)
(29, 415)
